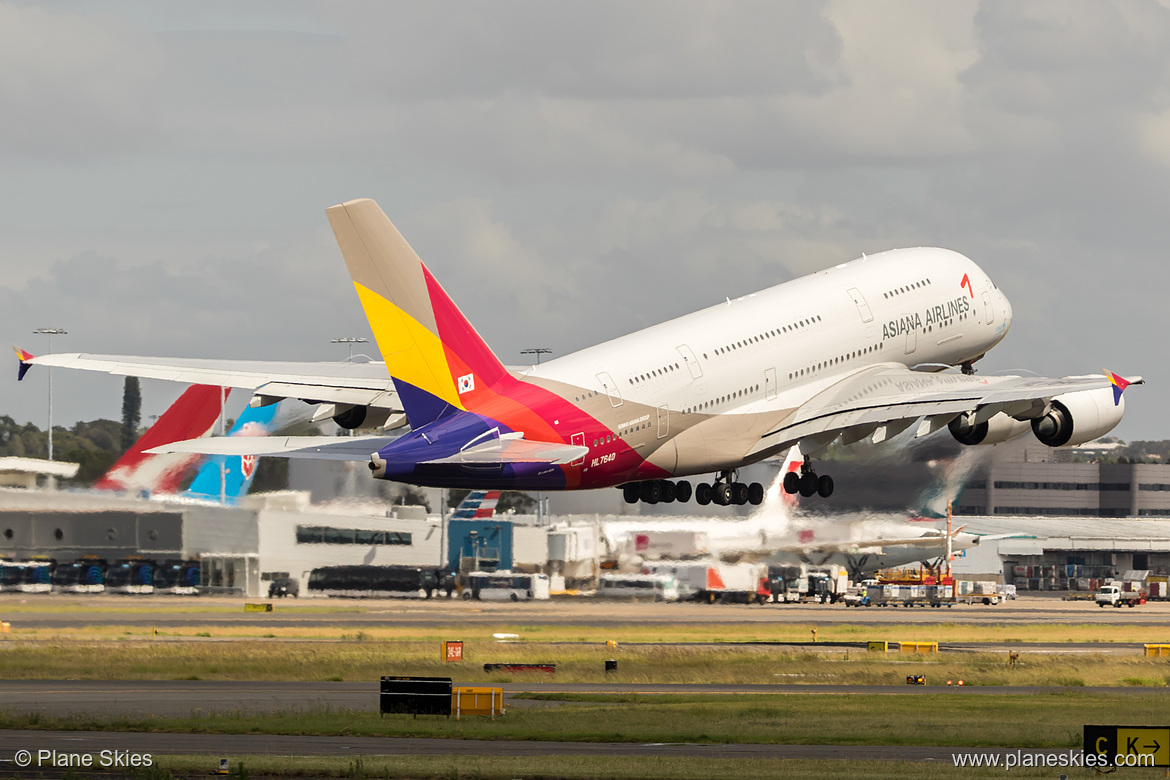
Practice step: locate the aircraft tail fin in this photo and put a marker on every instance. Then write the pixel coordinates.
(478, 504)
(233, 473)
(190, 417)
(439, 363)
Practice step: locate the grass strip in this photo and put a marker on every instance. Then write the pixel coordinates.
(368, 659)
(1050, 720)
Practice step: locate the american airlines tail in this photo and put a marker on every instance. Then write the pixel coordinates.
(192, 416)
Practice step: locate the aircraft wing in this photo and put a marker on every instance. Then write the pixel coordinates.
(512, 448)
(318, 447)
(863, 544)
(342, 382)
(886, 399)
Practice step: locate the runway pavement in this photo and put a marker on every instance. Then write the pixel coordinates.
(234, 746)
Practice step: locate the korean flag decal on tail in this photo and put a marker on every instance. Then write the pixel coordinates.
(466, 383)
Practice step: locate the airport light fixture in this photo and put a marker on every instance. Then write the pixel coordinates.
(350, 340)
(50, 332)
(538, 351)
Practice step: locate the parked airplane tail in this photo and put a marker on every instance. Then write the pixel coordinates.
(189, 417)
(230, 476)
(478, 504)
(439, 363)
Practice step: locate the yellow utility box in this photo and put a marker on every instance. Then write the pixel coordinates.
(919, 647)
(488, 702)
(1157, 650)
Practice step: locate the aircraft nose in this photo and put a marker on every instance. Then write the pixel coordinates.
(1007, 311)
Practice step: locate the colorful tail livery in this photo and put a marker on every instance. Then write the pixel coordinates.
(469, 416)
(190, 417)
(478, 504)
(234, 473)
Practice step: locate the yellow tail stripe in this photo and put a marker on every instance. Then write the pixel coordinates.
(412, 352)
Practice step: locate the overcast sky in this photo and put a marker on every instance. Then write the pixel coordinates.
(572, 171)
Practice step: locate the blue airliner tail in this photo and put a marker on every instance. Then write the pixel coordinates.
(237, 472)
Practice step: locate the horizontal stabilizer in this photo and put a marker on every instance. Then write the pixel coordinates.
(319, 447)
(513, 449)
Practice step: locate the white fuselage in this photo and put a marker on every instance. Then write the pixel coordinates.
(907, 306)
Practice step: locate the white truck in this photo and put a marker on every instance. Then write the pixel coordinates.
(711, 581)
(1111, 595)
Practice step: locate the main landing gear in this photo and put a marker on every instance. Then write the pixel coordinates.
(657, 491)
(807, 483)
(726, 492)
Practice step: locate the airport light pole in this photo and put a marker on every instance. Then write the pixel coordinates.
(350, 340)
(538, 351)
(51, 332)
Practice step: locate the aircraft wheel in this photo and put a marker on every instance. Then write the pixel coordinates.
(739, 493)
(669, 492)
(703, 494)
(808, 484)
(651, 491)
(825, 486)
(723, 494)
(791, 483)
(682, 491)
(755, 494)
(632, 493)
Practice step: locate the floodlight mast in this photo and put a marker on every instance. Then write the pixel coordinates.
(50, 332)
(350, 340)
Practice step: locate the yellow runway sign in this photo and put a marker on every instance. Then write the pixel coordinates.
(1130, 742)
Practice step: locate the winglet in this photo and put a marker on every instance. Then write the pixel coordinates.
(1120, 383)
(24, 356)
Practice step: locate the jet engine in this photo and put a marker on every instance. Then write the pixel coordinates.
(997, 430)
(1076, 418)
(352, 417)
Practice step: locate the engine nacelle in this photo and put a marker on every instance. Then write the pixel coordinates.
(1076, 418)
(997, 430)
(369, 417)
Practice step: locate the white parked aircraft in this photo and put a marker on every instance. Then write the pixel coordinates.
(853, 352)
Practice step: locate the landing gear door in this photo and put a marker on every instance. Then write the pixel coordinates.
(663, 421)
(770, 384)
(611, 388)
(688, 356)
(578, 439)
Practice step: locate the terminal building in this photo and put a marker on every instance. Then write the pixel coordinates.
(1062, 525)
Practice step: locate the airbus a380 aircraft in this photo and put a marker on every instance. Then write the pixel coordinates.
(825, 357)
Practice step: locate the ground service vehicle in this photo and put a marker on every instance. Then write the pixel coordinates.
(506, 586)
(284, 586)
(85, 575)
(1115, 596)
(364, 581)
(651, 587)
